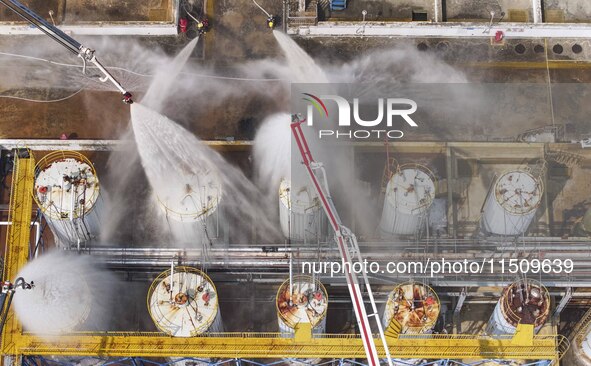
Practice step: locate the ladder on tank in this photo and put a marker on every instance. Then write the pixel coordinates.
(388, 173)
(538, 169)
(77, 218)
(390, 169)
(348, 249)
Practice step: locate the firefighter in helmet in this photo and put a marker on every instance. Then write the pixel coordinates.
(202, 25)
(271, 22)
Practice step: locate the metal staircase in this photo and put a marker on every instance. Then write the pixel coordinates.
(566, 158)
(388, 172)
(324, 4)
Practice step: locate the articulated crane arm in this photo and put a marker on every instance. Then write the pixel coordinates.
(348, 248)
(68, 42)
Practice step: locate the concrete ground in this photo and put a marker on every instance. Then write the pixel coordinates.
(518, 11)
(569, 11)
(98, 114)
(81, 11)
(379, 10)
(240, 32)
(480, 10)
(41, 7)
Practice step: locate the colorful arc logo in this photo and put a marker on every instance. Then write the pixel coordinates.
(317, 103)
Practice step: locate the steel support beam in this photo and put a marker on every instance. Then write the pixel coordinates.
(438, 11)
(456, 317)
(536, 6)
(562, 304)
(274, 345)
(89, 145)
(447, 30)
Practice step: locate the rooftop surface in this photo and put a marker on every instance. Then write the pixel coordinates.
(88, 11)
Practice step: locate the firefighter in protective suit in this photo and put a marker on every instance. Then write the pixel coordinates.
(202, 25)
(271, 22)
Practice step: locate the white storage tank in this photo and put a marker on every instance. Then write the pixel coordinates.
(183, 302)
(409, 194)
(579, 353)
(300, 213)
(526, 302)
(67, 192)
(302, 300)
(191, 206)
(584, 226)
(511, 205)
(414, 305)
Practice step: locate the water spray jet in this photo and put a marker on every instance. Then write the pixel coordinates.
(68, 289)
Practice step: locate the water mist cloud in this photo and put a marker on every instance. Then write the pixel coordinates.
(69, 290)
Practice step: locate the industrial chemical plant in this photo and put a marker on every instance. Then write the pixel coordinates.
(295, 182)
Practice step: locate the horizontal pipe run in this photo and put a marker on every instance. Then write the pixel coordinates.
(442, 30)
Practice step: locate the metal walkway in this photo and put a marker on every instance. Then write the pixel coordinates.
(138, 361)
(524, 345)
(17, 242)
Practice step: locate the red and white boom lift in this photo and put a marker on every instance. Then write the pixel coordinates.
(348, 249)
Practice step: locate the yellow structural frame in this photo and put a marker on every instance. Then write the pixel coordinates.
(523, 345)
(16, 251)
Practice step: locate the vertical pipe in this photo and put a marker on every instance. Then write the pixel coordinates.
(217, 220)
(285, 17)
(435, 11)
(537, 11)
(171, 283)
(37, 237)
(4, 311)
(438, 11)
(353, 208)
(451, 226)
(549, 213)
(302, 5)
(176, 4)
(290, 275)
(71, 203)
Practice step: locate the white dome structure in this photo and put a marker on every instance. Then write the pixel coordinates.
(409, 194)
(67, 193)
(511, 206)
(300, 213)
(183, 302)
